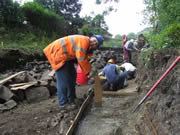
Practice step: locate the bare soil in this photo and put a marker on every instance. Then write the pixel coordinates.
(43, 118)
(162, 106)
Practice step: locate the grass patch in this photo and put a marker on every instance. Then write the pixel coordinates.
(29, 42)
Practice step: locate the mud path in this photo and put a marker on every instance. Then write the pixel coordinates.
(111, 118)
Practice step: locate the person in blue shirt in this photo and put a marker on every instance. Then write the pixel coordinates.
(115, 75)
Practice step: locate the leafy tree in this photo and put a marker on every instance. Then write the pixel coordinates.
(131, 35)
(114, 42)
(109, 5)
(98, 21)
(70, 9)
(167, 11)
(168, 38)
(10, 13)
(44, 19)
(145, 30)
(67, 8)
(106, 1)
(118, 37)
(96, 25)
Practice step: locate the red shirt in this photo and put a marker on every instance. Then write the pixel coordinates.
(124, 42)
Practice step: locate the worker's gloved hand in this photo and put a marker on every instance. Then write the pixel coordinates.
(92, 74)
(122, 68)
(89, 75)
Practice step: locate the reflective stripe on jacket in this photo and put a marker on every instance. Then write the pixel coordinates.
(69, 48)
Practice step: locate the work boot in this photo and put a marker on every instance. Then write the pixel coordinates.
(72, 106)
(68, 107)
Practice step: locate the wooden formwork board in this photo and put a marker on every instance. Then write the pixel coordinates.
(130, 90)
(79, 114)
(123, 92)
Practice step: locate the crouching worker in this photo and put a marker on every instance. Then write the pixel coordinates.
(114, 75)
(62, 54)
(131, 70)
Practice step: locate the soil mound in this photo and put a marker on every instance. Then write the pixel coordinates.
(14, 58)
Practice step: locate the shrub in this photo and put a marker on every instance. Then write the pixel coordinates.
(10, 13)
(45, 19)
(168, 38)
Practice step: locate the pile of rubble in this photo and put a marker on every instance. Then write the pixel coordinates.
(37, 82)
(32, 85)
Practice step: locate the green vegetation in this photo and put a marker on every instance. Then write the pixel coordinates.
(1, 77)
(145, 55)
(32, 26)
(168, 32)
(167, 38)
(27, 41)
(42, 18)
(113, 43)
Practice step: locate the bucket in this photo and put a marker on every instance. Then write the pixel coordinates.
(81, 78)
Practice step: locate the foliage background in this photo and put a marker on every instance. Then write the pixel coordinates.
(34, 25)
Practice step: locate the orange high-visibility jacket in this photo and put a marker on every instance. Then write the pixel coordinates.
(69, 48)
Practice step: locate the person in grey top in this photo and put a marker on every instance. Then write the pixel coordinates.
(130, 46)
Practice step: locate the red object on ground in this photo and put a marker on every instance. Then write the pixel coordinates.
(81, 78)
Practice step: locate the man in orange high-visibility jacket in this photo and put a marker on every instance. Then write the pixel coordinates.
(62, 54)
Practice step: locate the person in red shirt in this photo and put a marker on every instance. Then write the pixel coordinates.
(125, 39)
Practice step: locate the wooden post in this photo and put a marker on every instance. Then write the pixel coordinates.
(97, 92)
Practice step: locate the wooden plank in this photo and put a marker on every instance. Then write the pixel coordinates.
(79, 114)
(97, 92)
(20, 84)
(127, 92)
(24, 86)
(10, 77)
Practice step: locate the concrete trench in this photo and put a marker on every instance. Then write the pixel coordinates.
(111, 117)
(115, 116)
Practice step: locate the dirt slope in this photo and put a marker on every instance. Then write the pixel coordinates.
(162, 106)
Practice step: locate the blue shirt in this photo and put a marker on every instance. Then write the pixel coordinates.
(110, 72)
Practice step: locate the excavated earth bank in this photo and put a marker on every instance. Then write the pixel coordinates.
(162, 106)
